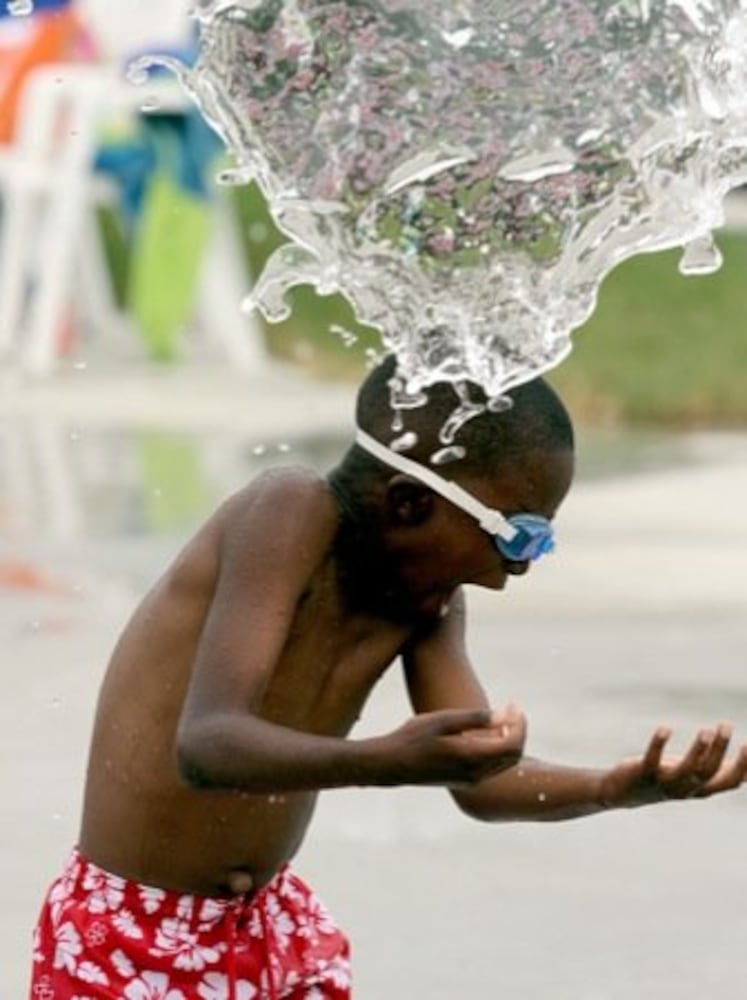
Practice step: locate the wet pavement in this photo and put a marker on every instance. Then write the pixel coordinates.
(638, 619)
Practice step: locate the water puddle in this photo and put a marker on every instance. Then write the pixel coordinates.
(124, 499)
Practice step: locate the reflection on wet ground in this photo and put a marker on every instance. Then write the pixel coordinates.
(61, 483)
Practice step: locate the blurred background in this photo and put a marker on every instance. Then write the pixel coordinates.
(135, 395)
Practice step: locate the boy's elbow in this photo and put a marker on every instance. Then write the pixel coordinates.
(480, 804)
(194, 766)
(472, 804)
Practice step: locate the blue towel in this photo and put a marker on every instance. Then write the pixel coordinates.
(181, 144)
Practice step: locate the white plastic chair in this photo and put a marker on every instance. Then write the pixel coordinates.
(50, 255)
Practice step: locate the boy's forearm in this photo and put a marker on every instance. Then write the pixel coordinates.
(249, 754)
(534, 790)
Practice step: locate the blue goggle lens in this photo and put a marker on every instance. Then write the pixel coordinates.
(533, 538)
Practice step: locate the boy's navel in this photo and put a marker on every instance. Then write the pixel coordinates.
(240, 883)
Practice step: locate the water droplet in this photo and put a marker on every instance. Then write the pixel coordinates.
(248, 305)
(284, 448)
(234, 176)
(346, 336)
(588, 136)
(404, 396)
(537, 166)
(424, 166)
(542, 797)
(500, 404)
(207, 10)
(138, 70)
(374, 358)
(446, 455)
(700, 256)
(20, 8)
(150, 104)
(259, 450)
(460, 37)
(404, 443)
(463, 413)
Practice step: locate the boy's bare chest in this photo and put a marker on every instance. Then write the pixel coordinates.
(331, 660)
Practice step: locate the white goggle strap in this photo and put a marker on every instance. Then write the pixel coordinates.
(490, 520)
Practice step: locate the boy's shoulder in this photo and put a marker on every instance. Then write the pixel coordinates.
(292, 487)
(290, 503)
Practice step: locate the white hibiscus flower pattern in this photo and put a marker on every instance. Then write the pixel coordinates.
(99, 934)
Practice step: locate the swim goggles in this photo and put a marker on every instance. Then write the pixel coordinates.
(519, 537)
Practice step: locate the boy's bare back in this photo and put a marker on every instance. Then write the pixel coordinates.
(251, 612)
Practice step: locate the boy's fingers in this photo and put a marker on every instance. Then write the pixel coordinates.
(509, 719)
(694, 760)
(713, 757)
(728, 777)
(655, 749)
(450, 722)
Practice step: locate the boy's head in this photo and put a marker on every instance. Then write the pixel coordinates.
(517, 462)
(537, 421)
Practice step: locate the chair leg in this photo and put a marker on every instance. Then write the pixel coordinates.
(24, 178)
(60, 234)
(15, 230)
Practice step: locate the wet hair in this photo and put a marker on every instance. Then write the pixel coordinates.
(536, 420)
(493, 442)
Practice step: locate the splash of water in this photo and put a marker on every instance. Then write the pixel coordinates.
(466, 174)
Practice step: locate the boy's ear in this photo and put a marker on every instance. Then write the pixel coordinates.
(408, 502)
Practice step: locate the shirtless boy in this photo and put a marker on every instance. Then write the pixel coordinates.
(229, 698)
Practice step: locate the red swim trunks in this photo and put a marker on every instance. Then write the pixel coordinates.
(101, 937)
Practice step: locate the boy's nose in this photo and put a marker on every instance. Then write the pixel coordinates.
(517, 568)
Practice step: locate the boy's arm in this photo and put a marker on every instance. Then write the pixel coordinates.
(439, 675)
(271, 540)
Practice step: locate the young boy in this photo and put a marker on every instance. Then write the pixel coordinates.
(230, 695)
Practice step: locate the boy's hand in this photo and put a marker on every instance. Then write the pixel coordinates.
(454, 747)
(704, 770)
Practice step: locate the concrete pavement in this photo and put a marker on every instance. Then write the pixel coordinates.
(638, 619)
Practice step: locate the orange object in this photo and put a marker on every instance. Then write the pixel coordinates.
(24, 576)
(52, 37)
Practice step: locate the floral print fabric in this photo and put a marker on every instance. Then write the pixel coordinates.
(101, 937)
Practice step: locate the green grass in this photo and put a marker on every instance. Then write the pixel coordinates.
(662, 348)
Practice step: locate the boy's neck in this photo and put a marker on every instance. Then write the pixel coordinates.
(366, 570)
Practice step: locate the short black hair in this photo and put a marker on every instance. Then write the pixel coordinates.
(534, 419)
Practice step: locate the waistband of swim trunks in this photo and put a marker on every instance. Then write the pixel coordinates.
(107, 893)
